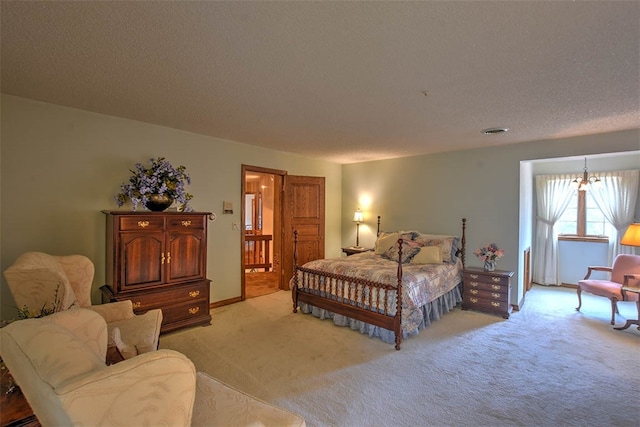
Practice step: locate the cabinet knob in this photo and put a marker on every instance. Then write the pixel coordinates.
(495, 295)
(495, 287)
(194, 310)
(495, 279)
(143, 224)
(186, 223)
(473, 300)
(194, 294)
(137, 304)
(473, 284)
(473, 276)
(495, 304)
(473, 291)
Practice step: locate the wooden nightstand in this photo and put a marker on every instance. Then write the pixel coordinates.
(488, 291)
(353, 250)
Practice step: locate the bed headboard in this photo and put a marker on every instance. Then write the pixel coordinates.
(462, 250)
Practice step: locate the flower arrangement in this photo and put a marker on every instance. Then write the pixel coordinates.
(491, 253)
(160, 178)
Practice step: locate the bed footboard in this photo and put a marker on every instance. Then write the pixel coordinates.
(358, 298)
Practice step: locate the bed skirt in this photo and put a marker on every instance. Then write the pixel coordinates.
(432, 311)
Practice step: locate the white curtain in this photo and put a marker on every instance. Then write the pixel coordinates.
(553, 194)
(617, 198)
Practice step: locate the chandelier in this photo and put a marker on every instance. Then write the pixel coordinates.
(582, 183)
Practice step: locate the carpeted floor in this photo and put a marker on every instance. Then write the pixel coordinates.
(548, 365)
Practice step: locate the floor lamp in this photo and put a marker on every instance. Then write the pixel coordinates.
(631, 237)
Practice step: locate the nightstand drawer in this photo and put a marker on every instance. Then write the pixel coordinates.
(489, 287)
(489, 295)
(488, 279)
(484, 304)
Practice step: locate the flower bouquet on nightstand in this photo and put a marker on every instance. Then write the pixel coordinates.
(489, 254)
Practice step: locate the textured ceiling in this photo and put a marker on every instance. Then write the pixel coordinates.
(343, 81)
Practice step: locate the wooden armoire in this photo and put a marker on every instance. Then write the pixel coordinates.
(159, 260)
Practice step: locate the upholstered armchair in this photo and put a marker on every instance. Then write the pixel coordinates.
(45, 283)
(58, 361)
(625, 271)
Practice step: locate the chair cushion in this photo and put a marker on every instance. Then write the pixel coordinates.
(624, 264)
(141, 331)
(218, 404)
(36, 337)
(603, 288)
(79, 271)
(37, 281)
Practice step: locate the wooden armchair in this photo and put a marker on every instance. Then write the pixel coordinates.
(625, 271)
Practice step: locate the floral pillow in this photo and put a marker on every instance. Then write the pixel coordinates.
(409, 249)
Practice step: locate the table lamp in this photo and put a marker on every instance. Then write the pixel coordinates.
(358, 218)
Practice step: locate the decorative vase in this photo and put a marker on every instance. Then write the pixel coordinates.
(158, 202)
(489, 265)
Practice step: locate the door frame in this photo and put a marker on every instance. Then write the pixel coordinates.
(278, 212)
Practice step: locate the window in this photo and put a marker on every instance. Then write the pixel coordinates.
(582, 217)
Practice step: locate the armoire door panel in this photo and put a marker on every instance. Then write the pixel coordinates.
(184, 260)
(142, 259)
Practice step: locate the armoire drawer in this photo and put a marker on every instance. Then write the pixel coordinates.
(184, 311)
(160, 297)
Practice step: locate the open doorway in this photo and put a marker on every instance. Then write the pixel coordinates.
(261, 231)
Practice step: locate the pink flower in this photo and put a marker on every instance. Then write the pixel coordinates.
(491, 252)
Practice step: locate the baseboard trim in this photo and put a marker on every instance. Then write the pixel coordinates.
(225, 302)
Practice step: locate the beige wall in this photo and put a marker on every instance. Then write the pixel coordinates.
(61, 167)
(432, 193)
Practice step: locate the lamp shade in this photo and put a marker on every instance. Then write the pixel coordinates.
(632, 235)
(358, 217)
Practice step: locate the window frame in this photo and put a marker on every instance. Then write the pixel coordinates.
(581, 226)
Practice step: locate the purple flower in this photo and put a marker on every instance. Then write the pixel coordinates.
(160, 178)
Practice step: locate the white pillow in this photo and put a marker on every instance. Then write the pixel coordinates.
(386, 241)
(428, 255)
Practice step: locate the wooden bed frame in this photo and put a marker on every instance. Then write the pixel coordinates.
(347, 290)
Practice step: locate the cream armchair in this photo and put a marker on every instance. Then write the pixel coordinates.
(49, 283)
(58, 362)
